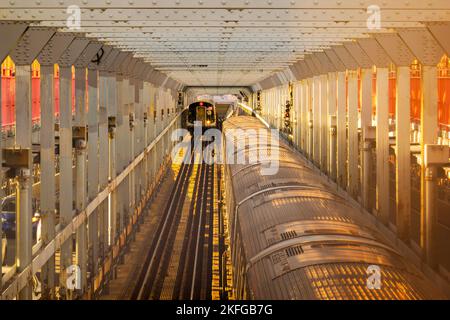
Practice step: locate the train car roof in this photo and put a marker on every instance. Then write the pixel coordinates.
(295, 229)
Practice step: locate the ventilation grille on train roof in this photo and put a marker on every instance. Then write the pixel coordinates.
(294, 251)
(289, 235)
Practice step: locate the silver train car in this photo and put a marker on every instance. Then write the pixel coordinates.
(204, 112)
(293, 237)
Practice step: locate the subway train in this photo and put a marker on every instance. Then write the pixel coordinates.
(293, 237)
(203, 111)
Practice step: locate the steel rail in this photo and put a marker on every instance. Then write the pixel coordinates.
(171, 213)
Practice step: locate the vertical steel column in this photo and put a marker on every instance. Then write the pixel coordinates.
(304, 116)
(297, 114)
(152, 134)
(139, 139)
(48, 183)
(149, 127)
(353, 171)
(155, 128)
(309, 106)
(66, 61)
(146, 141)
(132, 119)
(166, 122)
(24, 238)
(430, 215)
(80, 205)
(316, 121)
(403, 154)
(366, 121)
(14, 31)
(144, 136)
(323, 122)
(93, 166)
(65, 169)
(428, 135)
(80, 178)
(23, 54)
(271, 107)
(157, 125)
(369, 136)
(50, 54)
(332, 158)
(119, 154)
(332, 125)
(435, 156)
(112, 112)
(103, 169)
(424, 46)
(341, 131)
(125, 108)
(366, 97)
(382, 144)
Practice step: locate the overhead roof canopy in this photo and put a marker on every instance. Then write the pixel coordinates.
(225, 42)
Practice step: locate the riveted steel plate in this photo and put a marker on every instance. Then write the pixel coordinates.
(318, 64)
(103, 54)
(119, 60)
(138, 67)
(148, 74)
(295, 71)
(55, 48)
(88, 54)
(289, 75)
(281, 77)
(158, 79)
(274, 81)
(375, 52)
(131, 67)
(142, 71)
(311, 65)
(108, 62)
(334, 58)
(173, 84)
(154, 76)
(264, 84)
(169, 83)
(346, 58)
(73, 52)
(306, 71)
(125, 63)
(10, 32)
(423, 45)
(362, 59)
(30, 45)
(326, 63)
(441, 32)
(395, 48)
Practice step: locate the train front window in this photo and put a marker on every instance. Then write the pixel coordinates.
(210, 115)
(192, 115)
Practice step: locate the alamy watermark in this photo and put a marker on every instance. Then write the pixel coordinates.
(374, 277)
(374, 19)
(73, 281)
(242, 146)
(73, 22)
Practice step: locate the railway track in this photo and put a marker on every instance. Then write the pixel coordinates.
(179, 264)
(193, 276)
